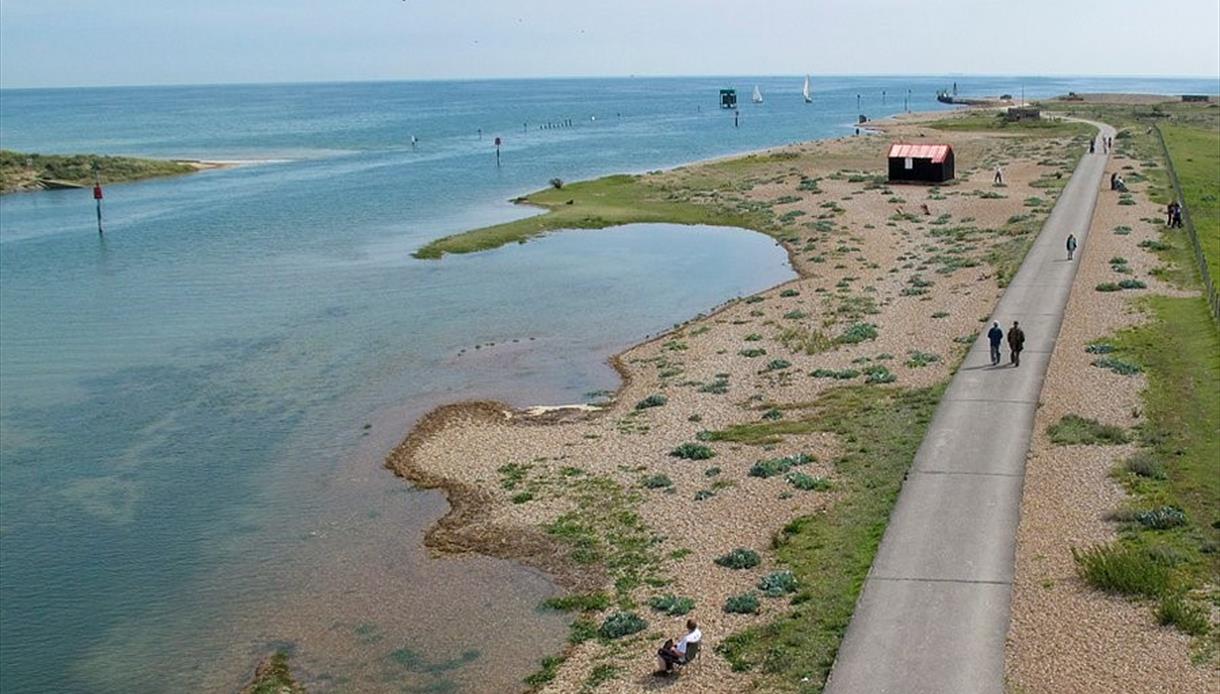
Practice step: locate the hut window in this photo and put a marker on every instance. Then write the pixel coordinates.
(909, 163)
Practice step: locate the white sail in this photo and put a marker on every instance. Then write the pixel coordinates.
(757, 98)
(805, 91)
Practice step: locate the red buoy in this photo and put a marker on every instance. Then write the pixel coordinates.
(97, 192)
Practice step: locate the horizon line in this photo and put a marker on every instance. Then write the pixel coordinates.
(394, 80)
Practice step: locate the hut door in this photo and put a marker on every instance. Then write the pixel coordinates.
(909, 164)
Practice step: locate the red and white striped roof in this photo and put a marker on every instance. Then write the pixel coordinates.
(936, 153)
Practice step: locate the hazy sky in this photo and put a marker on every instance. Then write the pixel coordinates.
(92, 42)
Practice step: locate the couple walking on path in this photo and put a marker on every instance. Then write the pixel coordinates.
(1016, 342)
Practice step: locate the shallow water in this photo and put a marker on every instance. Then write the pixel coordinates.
(187, 480)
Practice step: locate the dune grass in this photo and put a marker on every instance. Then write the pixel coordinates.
(830, 553)
(991, 121)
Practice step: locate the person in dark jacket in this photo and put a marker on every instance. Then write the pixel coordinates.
(1071, 245)
(1016, 342)
(995, 336)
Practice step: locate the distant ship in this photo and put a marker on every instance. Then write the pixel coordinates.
(757, 98)
(805, 91)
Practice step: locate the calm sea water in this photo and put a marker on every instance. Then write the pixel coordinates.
(194, 409)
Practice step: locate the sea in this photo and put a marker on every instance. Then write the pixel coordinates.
(195, 406)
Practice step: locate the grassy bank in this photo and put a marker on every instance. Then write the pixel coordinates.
(610, 201)
(992, 121)
(830, 553)
(22, 171)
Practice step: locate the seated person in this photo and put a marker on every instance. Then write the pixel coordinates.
(693, 635)
(669, 656)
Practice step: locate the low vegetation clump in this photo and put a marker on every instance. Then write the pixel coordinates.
(778, 466)
(1116, 568)
(778, 583)
(717, 386)
(777, 365)
(1131, 284)
(657, 482)
(671, 605)
(1074, 430)
(919, 359)
(693, 451)
(752, 352)
(621, 624)
(1144, 465)
(1099, 348)
(1118, 366)
(273, 676)
(858, 332)
(879, 374)
(654, 400)
(1161, 518)
(1175, 610)
(746, 603)
(841, 374)
(740, 558)
(788, 293)
(807, 483)
(579, 602)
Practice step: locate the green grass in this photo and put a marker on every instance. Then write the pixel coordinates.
(671, 605)
(1179, 350)
(611, 201)
(830, 553)
(78, 168)
(1196, 159)
(1124, 570)
(579, 602)
(1074, 430)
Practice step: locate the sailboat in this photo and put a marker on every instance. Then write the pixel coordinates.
(757, 98)
(805, 91)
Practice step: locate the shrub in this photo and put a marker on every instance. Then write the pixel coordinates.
(654, 400)
(858, 332)
(777, 365)
(795, 315)
(841, 375)
(773, 414)
(1145, 465)
(693, 451)
(1117, 365)
(1099, 348)
(740, 558)
(753, 337)
(787, 293)
(777, 583)
(621, 624)
(752, 352)
(919, 359)
(808, 483)
(1076, 430)
(556, 183)
(1177, 611)
(704, 494)
(1124, 570)
(1161, 518)
(746, 603)
(657, 482)
(671, 604)
(1107, 287)
(1132, 284)
(719, 386)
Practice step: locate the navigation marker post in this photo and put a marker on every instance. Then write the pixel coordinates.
(97, 196)
(497, 151)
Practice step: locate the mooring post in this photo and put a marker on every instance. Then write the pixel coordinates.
(97, 196)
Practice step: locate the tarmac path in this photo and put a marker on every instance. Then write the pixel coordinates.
(933, 613)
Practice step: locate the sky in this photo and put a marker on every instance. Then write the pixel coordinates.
(49, 43)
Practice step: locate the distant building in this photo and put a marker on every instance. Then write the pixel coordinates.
(1201, 98)
(1017, 113)
(728, 98)
(920, 163)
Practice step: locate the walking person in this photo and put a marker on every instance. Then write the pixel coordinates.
(1092, 145)
(1016, 342)
(995, 336)
(1177, 217)
(999, 176)
(1071, 245)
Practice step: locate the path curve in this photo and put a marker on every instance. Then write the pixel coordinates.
(933, 614)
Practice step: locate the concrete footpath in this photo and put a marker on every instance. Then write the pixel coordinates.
(933, 614)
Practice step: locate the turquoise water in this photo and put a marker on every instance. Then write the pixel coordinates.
(186, 480)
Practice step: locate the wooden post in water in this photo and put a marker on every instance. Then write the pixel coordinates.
(497, 152)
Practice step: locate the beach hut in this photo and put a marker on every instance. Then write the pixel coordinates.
(920, 163)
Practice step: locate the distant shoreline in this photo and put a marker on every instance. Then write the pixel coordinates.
(24, 172)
